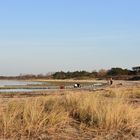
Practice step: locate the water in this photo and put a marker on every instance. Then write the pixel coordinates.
(4, 83)
(20, 90)
(16, 83)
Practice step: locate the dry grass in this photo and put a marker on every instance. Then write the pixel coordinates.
(95, 113)
(31, 118)
(101, 113)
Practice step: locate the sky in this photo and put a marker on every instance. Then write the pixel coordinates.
(41, 36)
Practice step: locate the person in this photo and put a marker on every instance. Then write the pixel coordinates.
(111, 81)
(78, 85)
(75, 85)
(62, 87)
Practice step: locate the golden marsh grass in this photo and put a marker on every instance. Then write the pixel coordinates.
(100, 113)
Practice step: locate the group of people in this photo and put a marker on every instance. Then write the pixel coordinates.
(77, 85)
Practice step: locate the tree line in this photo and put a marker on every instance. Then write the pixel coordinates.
(113, 72)
(116, 73)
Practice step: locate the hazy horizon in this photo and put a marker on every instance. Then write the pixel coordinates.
(47, 36)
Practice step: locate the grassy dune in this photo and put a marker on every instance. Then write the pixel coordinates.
(101, 115)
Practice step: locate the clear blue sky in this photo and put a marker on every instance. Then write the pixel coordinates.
(40, 36)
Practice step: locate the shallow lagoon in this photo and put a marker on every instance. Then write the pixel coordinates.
(29, 86)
